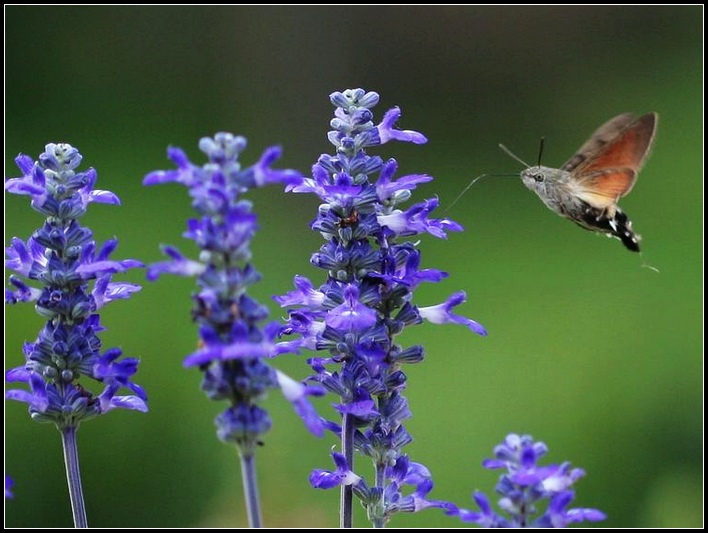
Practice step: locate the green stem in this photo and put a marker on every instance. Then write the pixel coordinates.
(250, 489)
(346, 518)
(73, 476)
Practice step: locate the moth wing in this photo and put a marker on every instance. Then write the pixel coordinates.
(602, 188)
(622, 142)
(605, 175)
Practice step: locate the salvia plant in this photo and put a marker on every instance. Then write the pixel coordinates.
(527, 486)
(351, 318)
(69, 280)
(371, 269)
(235, 345)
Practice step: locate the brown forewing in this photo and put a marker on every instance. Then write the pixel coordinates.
(622, 142)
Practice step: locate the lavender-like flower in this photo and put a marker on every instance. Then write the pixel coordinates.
(8, 487)
(365, 302)
(524, 486)
(74, 278)
(234, 346)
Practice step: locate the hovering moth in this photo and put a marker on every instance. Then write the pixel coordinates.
(588, 186)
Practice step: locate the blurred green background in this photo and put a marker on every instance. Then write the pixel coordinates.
(587, 351)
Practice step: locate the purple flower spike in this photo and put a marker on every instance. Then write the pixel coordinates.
(367, 299)
(73, 274)
(235, 343)
(524, 485)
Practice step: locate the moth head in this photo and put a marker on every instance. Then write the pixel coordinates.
(537, 178)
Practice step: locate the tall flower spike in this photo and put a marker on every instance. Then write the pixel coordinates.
(234, 345)
(74, 278)
(366, 301)
(524, 487)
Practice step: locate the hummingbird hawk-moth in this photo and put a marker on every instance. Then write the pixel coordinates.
(588, 186)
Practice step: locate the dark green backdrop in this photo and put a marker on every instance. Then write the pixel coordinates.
(587, 350)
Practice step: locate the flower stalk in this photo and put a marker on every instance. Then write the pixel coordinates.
(73, 476)
(235, 344)
(371, 270)
(525, 487)
(69, 279)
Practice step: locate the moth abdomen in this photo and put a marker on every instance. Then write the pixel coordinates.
(624, 232)
(618, 225)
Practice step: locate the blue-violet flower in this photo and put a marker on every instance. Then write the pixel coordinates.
(524, 486)
(367, 300)
(8, 487)
(233, 345)
(74, 278)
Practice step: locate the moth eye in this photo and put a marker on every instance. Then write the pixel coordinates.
(538, 177)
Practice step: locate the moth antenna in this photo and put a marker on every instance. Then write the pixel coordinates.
(514, 156)
(540, 150)
(647, 265)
